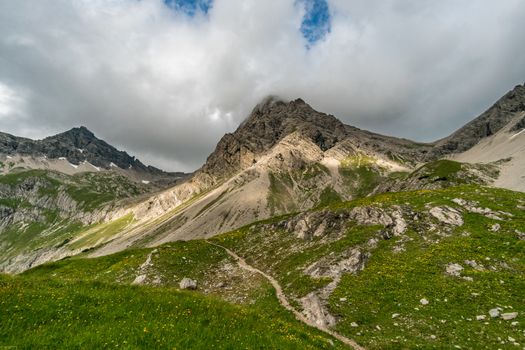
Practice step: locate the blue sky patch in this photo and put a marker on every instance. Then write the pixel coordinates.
(316, 22)
(315, 26)
(190, 7)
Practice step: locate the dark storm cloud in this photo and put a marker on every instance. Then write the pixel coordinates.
(166, 85)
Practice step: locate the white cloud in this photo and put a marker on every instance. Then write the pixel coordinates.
(11, 103)
(166, 87)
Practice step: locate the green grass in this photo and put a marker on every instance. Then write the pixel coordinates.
(50, 179)
(329, 196)
(280, 193)
(440, 170)
(360, 175)
(49, 314)
(9, 202)
(94, 190)
(84, 297)
(394, 282)
(34, 194)
(102, 232)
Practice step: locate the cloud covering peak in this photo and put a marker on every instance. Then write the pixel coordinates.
(166, 79)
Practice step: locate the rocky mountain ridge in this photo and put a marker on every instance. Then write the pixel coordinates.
(77, 145)
(273, 120)
(285, 157)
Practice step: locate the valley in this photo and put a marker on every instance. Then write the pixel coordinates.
(298, 232)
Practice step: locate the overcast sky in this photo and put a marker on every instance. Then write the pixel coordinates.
(164, 80)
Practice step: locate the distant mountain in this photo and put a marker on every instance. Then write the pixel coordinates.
(77, 145)
(486, 125)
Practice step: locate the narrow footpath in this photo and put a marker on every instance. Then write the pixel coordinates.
(283, 300)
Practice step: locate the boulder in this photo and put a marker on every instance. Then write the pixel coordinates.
(188, 283)
(447, 215)
(454, 270)
(494, 313)
(509, 316)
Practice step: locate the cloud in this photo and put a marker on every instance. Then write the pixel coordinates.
(166, 82)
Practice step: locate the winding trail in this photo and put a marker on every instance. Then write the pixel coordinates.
(283, 300)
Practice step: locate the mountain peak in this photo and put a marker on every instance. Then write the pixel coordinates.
(270, 122)
(77, 145)
(80, 132)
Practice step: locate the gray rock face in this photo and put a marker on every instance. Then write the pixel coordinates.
(321, 223)
(495, 227)
(447, 215)
(350, 261)
(272, 120)
(315, 311)
(188, 283)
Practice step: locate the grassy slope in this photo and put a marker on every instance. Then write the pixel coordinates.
(52, 227)
(394, 283)
(92, 300)
(49, 313)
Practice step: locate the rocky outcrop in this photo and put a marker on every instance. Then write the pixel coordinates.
(315, 311)
(334, 266)
(327, 222)
(447, 215)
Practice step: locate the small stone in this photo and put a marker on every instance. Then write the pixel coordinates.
(454, 269)
(494, 313)
(343, 299)
(433, 337)
(395, 315)
(495, 227)
(514, 324)
(512, 340)
(481, 317)
(509, 316)
(188, 283)
(353, 324)
(460, 201)
(424, 301)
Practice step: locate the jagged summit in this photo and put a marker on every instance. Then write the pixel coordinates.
(269, 123)
(276, 119)
(272, 120)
